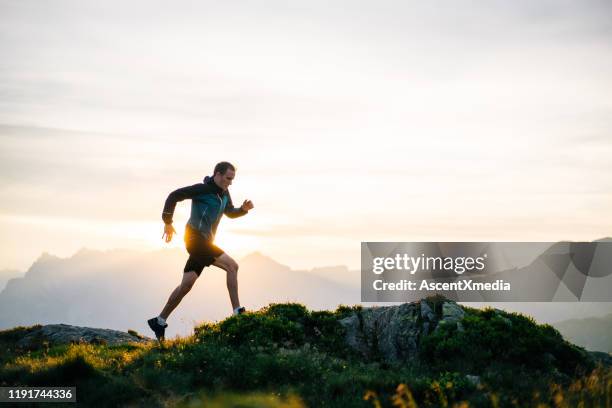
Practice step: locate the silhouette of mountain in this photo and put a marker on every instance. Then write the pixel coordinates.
(120, 289)
(258, 260)
(6, 274)
(339, 273)
(593, 333)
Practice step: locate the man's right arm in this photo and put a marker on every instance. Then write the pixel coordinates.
(179, 195)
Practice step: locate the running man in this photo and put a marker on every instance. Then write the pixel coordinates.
(209, 201)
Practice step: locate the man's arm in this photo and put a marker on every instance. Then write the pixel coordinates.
(179, 195)
(233, 212)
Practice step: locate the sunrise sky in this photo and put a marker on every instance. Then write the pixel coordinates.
(348, 121)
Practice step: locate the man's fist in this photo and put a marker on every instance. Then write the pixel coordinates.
(247, 205)
(168, 232)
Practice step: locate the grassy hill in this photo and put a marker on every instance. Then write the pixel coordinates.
(287, 356)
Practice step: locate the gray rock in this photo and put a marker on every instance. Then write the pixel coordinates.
(426, 312)
(394, 332)
(500, 314)
(473, 379)
(452, 312)
(55, 334)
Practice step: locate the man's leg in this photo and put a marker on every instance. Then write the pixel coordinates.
(225, 262)
(179, 292)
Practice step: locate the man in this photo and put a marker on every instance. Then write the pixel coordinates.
(209, 201)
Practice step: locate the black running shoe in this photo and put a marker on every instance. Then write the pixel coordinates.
(241, 310)
(157, 328)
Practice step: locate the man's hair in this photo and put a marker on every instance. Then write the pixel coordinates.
(222, 167)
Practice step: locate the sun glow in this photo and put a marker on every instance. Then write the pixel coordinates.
(235, 244)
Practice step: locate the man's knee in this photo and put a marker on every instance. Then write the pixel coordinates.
(232, 271)
(232, 267)
(227, 263)
(188, 281)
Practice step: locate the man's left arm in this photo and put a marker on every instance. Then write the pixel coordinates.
(233, 212)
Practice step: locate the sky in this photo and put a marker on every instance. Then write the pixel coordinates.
(347, 122)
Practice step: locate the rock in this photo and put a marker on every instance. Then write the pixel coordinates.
(54, 334)
(354, 333)
(389, 330)
(473, 379)
(394, 332)
(500, 314)
(426, 312)
(452, 312)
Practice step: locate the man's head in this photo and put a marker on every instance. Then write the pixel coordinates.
(224, 174)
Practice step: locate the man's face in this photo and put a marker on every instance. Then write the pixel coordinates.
(225, 180)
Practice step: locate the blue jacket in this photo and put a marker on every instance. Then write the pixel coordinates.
(208, 203)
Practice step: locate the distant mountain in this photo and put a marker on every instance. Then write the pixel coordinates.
(120, 289)
(340, 274)
(6, 274)
(594, 333)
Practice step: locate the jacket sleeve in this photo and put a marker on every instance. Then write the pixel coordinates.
(231, 211)
(179, 195)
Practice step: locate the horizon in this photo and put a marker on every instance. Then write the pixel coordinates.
(154, 250)
(544, 312)
(248, 254)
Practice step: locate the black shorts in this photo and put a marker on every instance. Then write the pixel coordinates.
(202, 252)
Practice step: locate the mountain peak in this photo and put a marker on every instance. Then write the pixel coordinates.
(258, 259)
(46, 256)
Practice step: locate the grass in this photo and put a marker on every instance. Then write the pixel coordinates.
(287, 356)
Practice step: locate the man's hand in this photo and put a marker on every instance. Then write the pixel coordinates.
(247, 205)
(168, 232)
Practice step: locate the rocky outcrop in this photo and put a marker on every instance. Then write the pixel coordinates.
(393, 333)
(54, 334)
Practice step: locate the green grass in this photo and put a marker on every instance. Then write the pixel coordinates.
(287, 356)
(497, 338)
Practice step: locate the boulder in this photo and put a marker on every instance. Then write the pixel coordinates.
(473, 379)
(393, 333)
(452, 313)
(54, 334)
